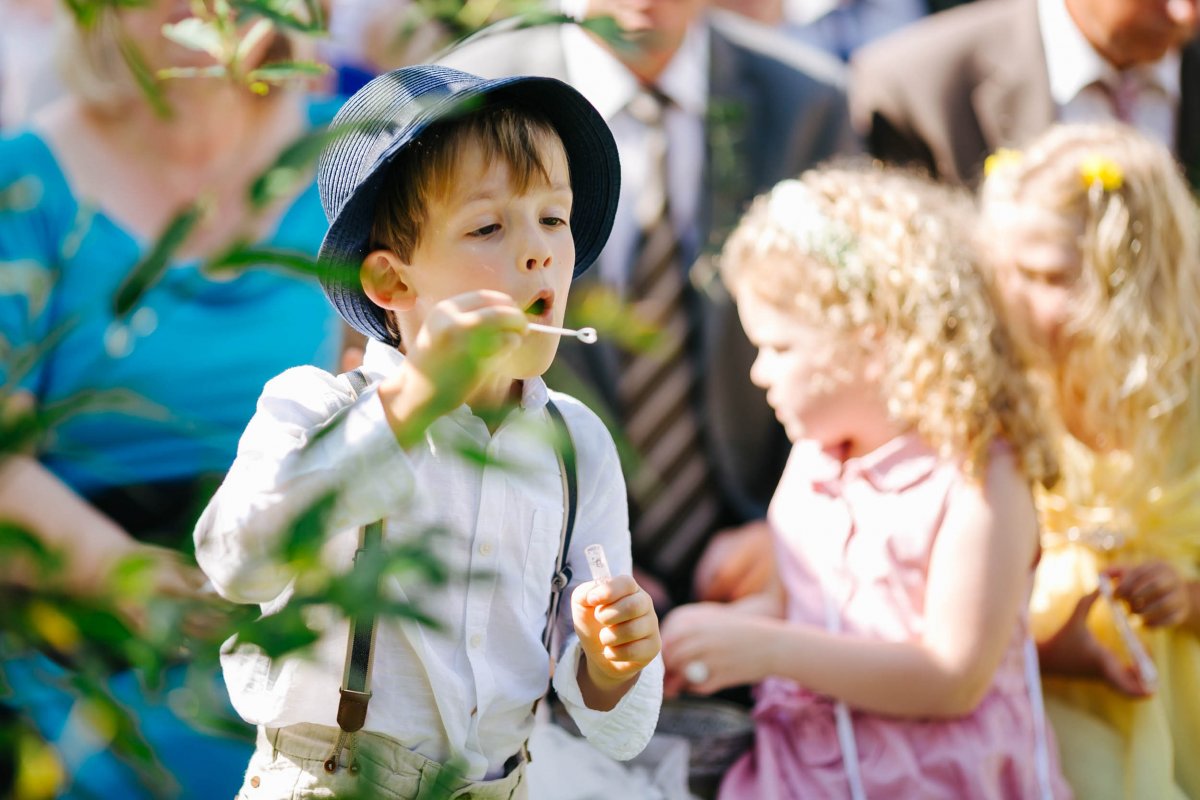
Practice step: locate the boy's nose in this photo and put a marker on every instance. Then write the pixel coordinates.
(537, 252)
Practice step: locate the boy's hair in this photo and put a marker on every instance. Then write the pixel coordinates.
(426, 170)
(858, 248)
(1132, 373)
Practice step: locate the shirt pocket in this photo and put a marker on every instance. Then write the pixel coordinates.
(541, 555)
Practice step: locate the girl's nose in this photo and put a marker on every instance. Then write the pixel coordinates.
(758, 371)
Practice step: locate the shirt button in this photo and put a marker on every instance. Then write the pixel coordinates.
(485, 549)
(476, 640)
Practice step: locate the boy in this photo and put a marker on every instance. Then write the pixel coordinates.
(460, 211)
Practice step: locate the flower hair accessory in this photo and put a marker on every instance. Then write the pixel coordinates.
(794, 208)
(1100, 170)
(1001, 159)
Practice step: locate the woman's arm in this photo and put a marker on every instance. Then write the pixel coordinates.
(976, 590)
(90, 543)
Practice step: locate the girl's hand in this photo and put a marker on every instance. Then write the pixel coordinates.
(736, 563)
(708, 647)
(1155, 591)
(618, 632)
(1073, 651)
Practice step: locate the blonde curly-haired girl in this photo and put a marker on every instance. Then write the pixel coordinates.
(1094, 243)
(892, 654)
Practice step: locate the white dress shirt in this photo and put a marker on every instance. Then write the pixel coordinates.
(609, 86)
(466, 688)
(1075, 68)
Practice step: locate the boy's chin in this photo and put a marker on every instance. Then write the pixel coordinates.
(530, 361)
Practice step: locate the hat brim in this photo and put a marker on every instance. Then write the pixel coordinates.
(591, 158)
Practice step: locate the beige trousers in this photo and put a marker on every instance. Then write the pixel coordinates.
(289, 764)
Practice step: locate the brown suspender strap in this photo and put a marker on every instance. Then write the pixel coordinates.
(565, 450)
(356, 679)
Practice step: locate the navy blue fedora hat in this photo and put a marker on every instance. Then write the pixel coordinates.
(392, 111)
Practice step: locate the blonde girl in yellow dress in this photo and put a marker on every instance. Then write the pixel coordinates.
(1093, 239)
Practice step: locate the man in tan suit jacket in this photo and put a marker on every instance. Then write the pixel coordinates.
(950, 89)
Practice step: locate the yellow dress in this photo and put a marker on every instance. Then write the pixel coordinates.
(1113, 746)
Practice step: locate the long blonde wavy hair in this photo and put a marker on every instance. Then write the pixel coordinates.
(859, 248)
(1130, 376)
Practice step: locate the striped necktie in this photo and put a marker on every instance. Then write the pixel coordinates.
(675, 506)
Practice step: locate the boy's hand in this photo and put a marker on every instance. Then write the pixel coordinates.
(618, 632)
(459, 343)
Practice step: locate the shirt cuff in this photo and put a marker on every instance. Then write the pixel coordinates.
(624, 731)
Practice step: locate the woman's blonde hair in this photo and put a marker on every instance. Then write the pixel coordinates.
(862, 248)
(93, 59)
(1131, 372)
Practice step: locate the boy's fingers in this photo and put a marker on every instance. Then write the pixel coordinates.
(637, 653)
(635, 629)
(479, 298)
(609, 591)
(629, 607)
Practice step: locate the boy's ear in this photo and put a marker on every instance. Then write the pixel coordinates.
(385, 281)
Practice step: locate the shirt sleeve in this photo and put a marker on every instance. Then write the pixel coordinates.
(307, 443)
(35, 211)
(603, 518)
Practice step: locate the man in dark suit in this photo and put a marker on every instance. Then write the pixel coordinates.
(950, 89)
(707, 111)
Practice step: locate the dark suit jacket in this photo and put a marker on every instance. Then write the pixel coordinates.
(774, 110)
(948, 90)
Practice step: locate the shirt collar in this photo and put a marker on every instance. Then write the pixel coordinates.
(893, 467)
(381, 360)
(609, 85)
(1073, 64)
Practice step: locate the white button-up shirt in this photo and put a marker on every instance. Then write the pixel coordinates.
(610, 86)
(1075, 70)
(465, 688)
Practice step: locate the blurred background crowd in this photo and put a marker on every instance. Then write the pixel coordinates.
(158, 229)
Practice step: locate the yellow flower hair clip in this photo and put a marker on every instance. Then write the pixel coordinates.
(1001, 159)
(1102, 171)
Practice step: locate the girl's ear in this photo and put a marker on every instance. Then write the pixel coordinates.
(385, 280)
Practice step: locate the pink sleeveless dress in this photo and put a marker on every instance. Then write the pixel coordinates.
(853, 545)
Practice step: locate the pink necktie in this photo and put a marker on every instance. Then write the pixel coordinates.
(1123, 93)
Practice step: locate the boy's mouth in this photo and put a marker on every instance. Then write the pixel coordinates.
(540, 306)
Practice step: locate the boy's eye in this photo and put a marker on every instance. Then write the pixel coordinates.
(486, 230)
(553, 222)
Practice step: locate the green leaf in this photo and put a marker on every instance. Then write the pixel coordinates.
(17, 541)
(294, 164)
(143, 276)
(143, 76)
(276, 11)
(280, 71)
(242, 257)
(278, 634)
(305, 537)
(176, 73)
(197, 34)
